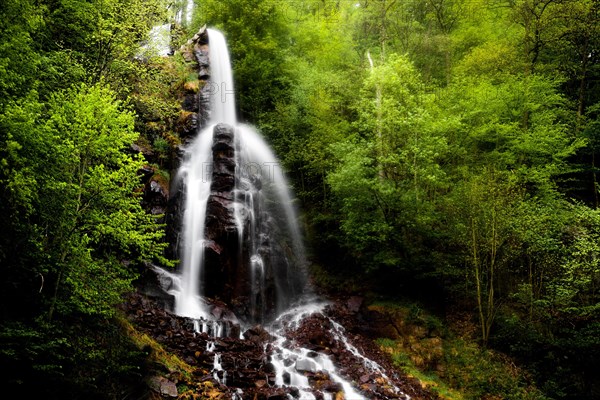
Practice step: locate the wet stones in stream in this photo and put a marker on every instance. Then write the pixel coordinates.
(246, 363)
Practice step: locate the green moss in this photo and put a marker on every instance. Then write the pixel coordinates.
(454, 367)
(156, 353)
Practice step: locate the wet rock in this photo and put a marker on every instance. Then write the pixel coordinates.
(257, 334)
(188, 119)
(260, 383)
(212, 246)
(201, 57)
(288, 362)
(160, 187)
(365, 378)
(234, 330)
(163, 386)
(331, 386)
(306, 364)
(187, 55)
(217, 312)
(145, 150)
(156, 286)
(278, 396)
(187, 123)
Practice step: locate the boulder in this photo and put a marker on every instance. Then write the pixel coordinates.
(306, 365)
(354, 304)
(163, 386)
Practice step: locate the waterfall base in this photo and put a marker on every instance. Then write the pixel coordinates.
(305, 354)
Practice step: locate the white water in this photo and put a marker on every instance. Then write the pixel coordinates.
(158, 43)
(291, 359)
(195, 173)
(261, 189)
(184, 13)
(188, 302)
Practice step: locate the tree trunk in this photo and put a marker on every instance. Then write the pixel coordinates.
(477, 266)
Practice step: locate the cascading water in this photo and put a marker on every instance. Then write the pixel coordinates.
(264, 216)
(259, 202)
(196, 177)
(183, 15)
(241, 243)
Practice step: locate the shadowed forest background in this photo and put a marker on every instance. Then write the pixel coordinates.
(444, 156)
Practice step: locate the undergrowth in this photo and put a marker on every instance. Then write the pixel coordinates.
(454, 367)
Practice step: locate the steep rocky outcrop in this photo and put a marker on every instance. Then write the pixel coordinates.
(221, 232)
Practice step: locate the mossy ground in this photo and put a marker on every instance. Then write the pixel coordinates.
(448, 360)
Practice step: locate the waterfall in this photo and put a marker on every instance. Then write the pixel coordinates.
(270, 254)
(241, 243)
(195, 173)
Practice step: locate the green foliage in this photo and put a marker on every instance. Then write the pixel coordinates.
(483, 373)
(73, 220)
(74, 233)
(76, 186)
(559, 361)
(20, 21)
(156, 84)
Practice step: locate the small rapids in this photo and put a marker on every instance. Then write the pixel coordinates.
(307, 371)
(293, 362)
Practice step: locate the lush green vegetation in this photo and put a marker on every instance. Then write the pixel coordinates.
(444, 150)
(75, 235)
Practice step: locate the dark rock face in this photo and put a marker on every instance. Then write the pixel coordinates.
(155, 286)
(244, 267)
(222, 258)
(195, 102)
(193, 116)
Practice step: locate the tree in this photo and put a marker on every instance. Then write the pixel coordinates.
(388, 177)
(484, 219)
(72, 183)
(19, 21)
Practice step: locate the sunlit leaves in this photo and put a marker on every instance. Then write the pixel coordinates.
(76, 180)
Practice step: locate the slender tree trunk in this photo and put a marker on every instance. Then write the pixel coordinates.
(491, 306)
(477, 266)
(54, 296)
(379, 117)
(63, 257)
(581, 94)
(78, 171)
(595, 180)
